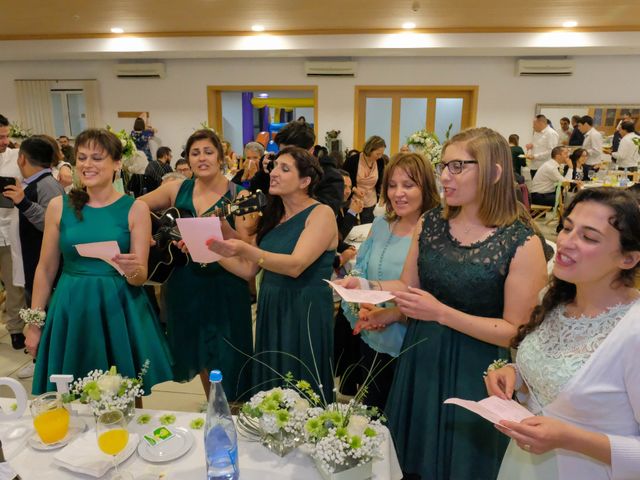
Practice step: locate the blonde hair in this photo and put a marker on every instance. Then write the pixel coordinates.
(498, 203)
(420, 171)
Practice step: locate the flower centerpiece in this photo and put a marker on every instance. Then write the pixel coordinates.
(344, 438)
(277, 417)
(104, 391)
(427, 144)
(18, 132)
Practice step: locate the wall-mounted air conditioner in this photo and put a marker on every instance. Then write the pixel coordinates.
(140, 70)
(544, 66)
(330, 69)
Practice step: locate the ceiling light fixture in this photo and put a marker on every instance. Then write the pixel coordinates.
(408, 25)
(263, 95)
(257, 28)
(570, 24)
(117, 30)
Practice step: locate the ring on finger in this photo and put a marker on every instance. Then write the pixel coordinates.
(527, 447)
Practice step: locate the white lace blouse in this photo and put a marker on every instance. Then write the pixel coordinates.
(552, 354)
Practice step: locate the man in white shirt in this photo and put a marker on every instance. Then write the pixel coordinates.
(628, 155)
(544, 139)
(592, 144)
(543, 186)
(564, 134)
(15, 295)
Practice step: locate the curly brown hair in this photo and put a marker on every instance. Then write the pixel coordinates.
(625, 219)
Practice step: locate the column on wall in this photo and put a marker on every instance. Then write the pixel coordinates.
(247, 118)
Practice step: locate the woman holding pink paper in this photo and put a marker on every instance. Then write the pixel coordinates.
(97, 317)
(577, 363)
(208, 310)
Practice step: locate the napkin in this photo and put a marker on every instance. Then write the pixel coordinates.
(83, 455)
(6, 472)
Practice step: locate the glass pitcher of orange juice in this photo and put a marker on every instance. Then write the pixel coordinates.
(50, 417)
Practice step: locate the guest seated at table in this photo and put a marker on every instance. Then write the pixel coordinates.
(573, 170)
(408, 190)
(471, 277)
(548, 176)
(347, 218)
(295, 246)
(183, 167)
(577, 364)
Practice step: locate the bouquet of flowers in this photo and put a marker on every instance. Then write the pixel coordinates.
(277, 417)
(17, 131)
(104, 391)
(343, 436)
(426, 143)
(637, 142)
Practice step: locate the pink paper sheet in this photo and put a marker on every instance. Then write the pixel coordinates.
(102, 250)
(494, 409)
(195, 232)
(361, 296)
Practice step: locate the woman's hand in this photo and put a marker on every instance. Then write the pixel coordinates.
(129, 263)
(348, 282)
(373, 318)
(538, 434)
(32, 339)
(418, 304)
(501, 382)
(348, 255)
(227, 248)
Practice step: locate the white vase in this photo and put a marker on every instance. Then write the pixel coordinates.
(361, 472)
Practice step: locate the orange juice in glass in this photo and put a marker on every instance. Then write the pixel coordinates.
(50, 418)
(111, 430)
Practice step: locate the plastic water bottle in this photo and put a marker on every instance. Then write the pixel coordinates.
(624, 180)
(220, 437)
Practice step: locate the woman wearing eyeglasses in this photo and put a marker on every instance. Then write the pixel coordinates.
(471, 277)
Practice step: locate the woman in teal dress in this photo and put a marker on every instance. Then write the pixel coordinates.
(296, 242)
(471, 277)
(408, 190)
(208, 310)
(97, 317)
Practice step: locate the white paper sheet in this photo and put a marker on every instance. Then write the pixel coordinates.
(101, 250)
(494, 409)
(361, 296)
(195, 232)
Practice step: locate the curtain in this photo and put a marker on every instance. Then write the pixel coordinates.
(92, 104)
(34, 106)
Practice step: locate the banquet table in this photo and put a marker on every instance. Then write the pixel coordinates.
(256, 462)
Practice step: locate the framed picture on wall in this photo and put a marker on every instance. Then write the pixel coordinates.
(611, 117)
(597, 116)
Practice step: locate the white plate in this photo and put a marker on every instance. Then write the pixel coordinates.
(169, 450)
(522, 156)
(76, 427)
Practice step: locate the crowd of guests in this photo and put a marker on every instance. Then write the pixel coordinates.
(466, 266)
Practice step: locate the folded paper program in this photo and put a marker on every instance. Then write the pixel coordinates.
(494, 409)
(102, 251)
(361, 296)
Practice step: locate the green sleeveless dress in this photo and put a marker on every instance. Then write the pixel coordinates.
(446, 442)
(95, 318)
(207, 309)
(294, 315)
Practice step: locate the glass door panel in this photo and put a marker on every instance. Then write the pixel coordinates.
(378, 119)
(413, 117)
(448, 112)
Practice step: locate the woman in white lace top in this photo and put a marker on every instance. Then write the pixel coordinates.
(577, 366)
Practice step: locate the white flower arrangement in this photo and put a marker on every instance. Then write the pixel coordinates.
(104, 391)
(33, 316)
(277, 417)
(344, 436)
(426, 143)
(18, 131)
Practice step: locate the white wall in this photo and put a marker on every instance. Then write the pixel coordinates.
(178, 103)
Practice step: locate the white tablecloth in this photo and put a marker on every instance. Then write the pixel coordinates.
(256, 462)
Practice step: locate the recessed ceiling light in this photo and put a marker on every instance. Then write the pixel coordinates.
(408, 25)
(257, 28)
(263, 95)
(570, 24)
(117, 30)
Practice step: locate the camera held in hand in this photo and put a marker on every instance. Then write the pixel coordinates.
(266, 161)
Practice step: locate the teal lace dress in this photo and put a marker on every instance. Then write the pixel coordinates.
(295, 315)
(95, 318)
(208, 313)
(444, 442)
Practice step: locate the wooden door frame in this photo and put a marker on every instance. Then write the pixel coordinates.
(361, 92)
(214, 100)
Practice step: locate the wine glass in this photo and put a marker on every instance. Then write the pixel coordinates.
(111, 429)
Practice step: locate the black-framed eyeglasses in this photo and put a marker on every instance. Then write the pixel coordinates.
(455, 166)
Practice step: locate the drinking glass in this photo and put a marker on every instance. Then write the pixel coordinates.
(591, 174)
(113, 436)
(50, 417)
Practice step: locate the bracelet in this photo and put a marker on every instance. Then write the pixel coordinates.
(519, 382)
(261, 260)
(33, 316)
(495, 365)
(132, 276)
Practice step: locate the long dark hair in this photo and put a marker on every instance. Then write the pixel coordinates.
(625, 219)
(106, 140)
(307, 166)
